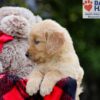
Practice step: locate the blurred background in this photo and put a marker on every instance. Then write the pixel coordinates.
(85, 34)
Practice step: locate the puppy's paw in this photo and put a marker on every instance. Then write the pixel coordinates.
(46, 88)
(32, 87)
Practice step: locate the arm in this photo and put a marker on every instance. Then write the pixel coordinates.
(6, 57)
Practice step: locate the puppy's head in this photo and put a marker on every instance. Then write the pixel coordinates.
(45, 41)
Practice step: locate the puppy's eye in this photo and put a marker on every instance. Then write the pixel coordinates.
(36, 41)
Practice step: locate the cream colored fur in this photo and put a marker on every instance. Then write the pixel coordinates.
(55, 58)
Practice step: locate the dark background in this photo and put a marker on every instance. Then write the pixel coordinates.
(85, 34)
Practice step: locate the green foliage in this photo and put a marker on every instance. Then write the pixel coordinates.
(12, 3)
(85, 33)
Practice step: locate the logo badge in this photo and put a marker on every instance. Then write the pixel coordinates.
(91, 9)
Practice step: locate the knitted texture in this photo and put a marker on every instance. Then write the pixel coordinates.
(13, 58)
(16, 22)
(19, 11)
(1, 69)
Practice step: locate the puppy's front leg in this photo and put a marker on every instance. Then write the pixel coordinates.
(34, 81)
(49, 81)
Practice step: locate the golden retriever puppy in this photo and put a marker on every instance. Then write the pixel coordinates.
(51, 47)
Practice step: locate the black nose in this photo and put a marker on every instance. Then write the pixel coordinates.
(27, 54)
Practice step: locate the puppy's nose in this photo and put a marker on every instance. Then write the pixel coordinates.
(27, 54)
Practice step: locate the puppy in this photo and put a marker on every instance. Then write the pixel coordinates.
(51, 47)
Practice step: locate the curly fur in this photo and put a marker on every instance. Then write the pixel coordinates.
(55, 57)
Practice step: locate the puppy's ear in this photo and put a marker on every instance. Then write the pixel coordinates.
(54, 42)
